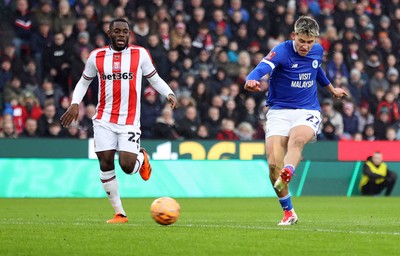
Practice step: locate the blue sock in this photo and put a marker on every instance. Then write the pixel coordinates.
(286, 203)
(290, 167)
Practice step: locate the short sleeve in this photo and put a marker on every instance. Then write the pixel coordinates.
(147, 63)
(90, 70)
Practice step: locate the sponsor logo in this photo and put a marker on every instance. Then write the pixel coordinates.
(295, 65)
(117, 76)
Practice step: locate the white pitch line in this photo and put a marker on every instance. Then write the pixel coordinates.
(295, 227)
(288, 228)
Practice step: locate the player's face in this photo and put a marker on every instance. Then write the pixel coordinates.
(303, 43)
(119, 35)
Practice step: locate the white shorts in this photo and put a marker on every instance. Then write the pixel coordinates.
(110, 136)
(281, 121)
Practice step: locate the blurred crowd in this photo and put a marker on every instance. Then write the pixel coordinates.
(204, 50)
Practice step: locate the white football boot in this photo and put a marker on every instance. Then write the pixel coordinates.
(289, 218)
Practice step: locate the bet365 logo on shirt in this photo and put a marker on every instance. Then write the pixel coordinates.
(117, 76)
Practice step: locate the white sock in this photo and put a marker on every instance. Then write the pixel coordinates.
(139, 162)
(110, 185)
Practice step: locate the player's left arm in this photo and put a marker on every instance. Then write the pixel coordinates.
(324, 82)
(156, 81)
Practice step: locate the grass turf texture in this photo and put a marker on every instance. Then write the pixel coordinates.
(327, 226)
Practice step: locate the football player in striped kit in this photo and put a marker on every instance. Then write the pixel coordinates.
(116, 124)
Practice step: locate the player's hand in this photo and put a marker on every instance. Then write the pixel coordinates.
(252, 86)
(70, 115)
(339, 93)
(172, 101)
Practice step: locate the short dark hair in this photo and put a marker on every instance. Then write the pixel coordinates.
(118, 20)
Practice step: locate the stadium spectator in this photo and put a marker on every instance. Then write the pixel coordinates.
(49, 91)
(197, 19)
(8, 130)
(13, 90)
(391, 134)
(57, 61)
(231, 111)
(350, 120)
(118, 127)
(141, 30)
(82, 42)
(375, 24)
(213, 121)
(165, 126)
(23, 27)
(32, 105)
(189, 124)
(227, 131)
(377, 176)
(159, 55)
(369, 133)
(332, 115)
(39, 41)
(219, 22)
(284, 143)
(30, 129)
(381, 123)
(31, 77)
(389, 103)
(63, 16)
(104, 8)
(48, 117)
(392, 76)
(364, 116)
(6, 73)
(54, 131)
(150, 110)
(328, 132)
(202, 132)
(374, 100)
(18, 113)
(86, 123)
(245, 131)
(337, 67)
(44, 13)
(358, 86)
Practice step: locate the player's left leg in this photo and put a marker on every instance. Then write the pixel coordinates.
(132, 157)
(303, 129)
(298, 137)
(132, 163)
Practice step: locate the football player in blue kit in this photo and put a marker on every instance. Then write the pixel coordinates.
(293, 117)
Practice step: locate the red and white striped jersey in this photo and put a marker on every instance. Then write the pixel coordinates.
(120, 82)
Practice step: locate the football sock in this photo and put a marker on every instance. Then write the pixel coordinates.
(110, 185)
(286, 202)
(290, 167)
(139, 162)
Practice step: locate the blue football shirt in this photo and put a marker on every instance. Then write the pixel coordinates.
(293, 78)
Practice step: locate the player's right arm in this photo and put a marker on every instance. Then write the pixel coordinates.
(79, 92)
(266, 65)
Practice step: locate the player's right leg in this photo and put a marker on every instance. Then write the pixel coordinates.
(275, 149)
(105, 147)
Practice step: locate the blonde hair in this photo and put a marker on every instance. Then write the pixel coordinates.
(306, 25)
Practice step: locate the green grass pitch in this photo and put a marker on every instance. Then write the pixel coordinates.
(230, 226)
